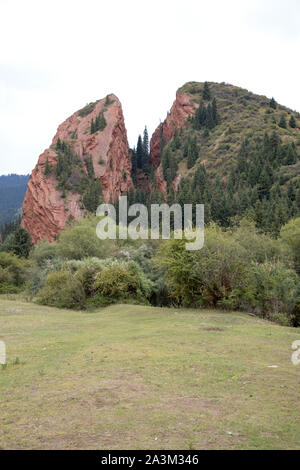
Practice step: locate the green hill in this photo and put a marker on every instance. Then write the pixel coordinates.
(243, 115)
(239, 155)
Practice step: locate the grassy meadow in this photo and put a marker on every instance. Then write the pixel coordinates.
(136, 377)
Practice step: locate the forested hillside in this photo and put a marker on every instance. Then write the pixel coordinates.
(237, 152)
(12, 192)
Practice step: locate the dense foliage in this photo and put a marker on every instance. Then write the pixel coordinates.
(238, 268)
(238, 155)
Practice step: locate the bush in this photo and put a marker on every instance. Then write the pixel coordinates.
(43, 251)
(290, 234)
(13, 271)
(81, 241)
(123, 281)
(62, 290)
(234, 271)
(87, 274)
(259, 246)
(37, 274)
(273, 291)
(212, 276)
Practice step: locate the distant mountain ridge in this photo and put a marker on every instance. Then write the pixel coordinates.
(12, 192)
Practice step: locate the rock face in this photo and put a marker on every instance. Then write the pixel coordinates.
(181, 109)
(45, 211)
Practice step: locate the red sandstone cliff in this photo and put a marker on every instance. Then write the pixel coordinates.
(45, 212)
(181, 109)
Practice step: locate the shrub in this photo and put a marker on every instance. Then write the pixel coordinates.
(259, 246)
(87, 109)
(37, 274)
(81, 241)
(212, 276)
(273, 290)
(235, 269)
(43, 251)
(13, 271)
(123, 280)
(87, 274)
(62, 290)
(290, 234)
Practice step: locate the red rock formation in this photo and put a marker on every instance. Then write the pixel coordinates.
(45, 212)
(181, 109)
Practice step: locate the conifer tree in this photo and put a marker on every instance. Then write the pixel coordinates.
(282, 122)
(92, 131)
(58, 144)
(206, 92)
(292, 122)
(48, 167)
(145, 148)
(139, 152)
(215, 114)
(273, 104)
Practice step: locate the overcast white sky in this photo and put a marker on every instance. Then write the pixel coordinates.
(58, 55)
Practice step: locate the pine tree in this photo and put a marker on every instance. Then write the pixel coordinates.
(139, 152)
(265, 183)
(166, 158)
(291, 192)
(22, 243)
(102, 122)
(48, 168)
(291, 155)
(176, 140)
(146, 141)
(58, 144)
(92, 131)
(206, 92)
(145, 148)
(210, 122)
(133, 164)
(273, 104)
(292, 122)
(215, 114)
(298, 201)
(192, 153)
(282, 122)
(92, 196)
(200, 116)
